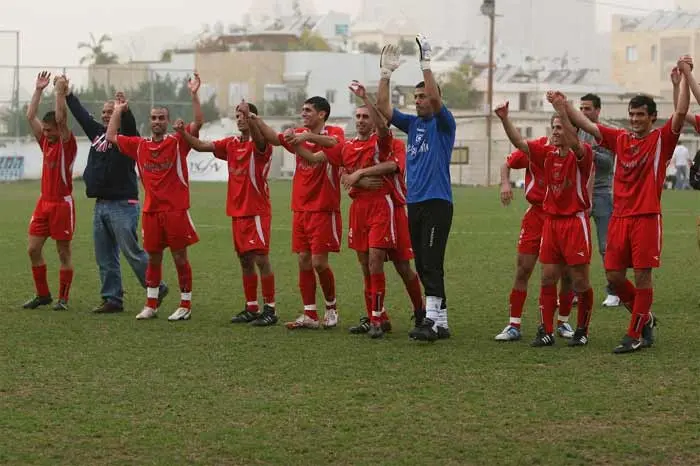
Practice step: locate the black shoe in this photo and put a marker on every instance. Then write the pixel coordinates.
(163, 291)
(61, 305)
(375, 331)
(542, 338)
(580, 337)
(443, 333)
(244, 317)
(37, 301)
(425, 332)
(628, 345)
(266, 318)
(418, 317)
(648, 331)
(108, 307)
(362, 327)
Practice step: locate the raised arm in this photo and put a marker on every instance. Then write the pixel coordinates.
(425, 51)
(506, 188)
(115, 121)
(91, 127)
(128, 123)
(61, 90)
(688, 83)
(267, 133)
(579, 120)
(194, 142)
(198, 117)
(389, 61)
(380, 123)
(42, 80)
(511, 131)
(570, 133)
(255, 134)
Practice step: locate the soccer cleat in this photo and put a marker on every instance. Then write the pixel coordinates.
(181, 313)
(147, 313)
(108, 307)
(628, 345)
(362, 327)
(648, 331)
(443, 333)
(244, 317)
(565, 330)
(542, 338)
(266, 318)
(61, 305)
(580, 337)
(418, 317)
(611, 301)
(375, 331)
(509, 333)
(163, 291)
(330, 319)
(37, 301)
(303, 321)
(425, 332)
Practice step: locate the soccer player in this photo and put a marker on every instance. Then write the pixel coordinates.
(110, 178)
(530, 238)
(317, 226)
(248, 204)
(601, 211)
(635, 231)
(566, 229)
(431, 136)
(166, 221)
(54, 214)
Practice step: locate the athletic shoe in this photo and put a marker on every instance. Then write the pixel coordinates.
(509, 333)
(303, 321)
(565, 331)
(375, 331)
(181, 313)
(648, 331)
(425, 332)
(542, 338)
(266, 318)
(163, 291)
(108, 307)
(244, 317)
(418, 317)
(443, 333)
(147, 313)
(330, 319)
(61, 305)
(580, 338)
(37, 301)
(611, 301)
(362, 327)
(628, 345)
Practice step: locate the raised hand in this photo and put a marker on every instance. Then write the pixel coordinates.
(179, 125)
(42, 80)
(676, 76)
(194, 83)
(120, 96)
(60, 83)
(121, 105)
(389, 60)
(425, 51)
(502, 110)
(358, 89)
(506, 194)
(685, 63)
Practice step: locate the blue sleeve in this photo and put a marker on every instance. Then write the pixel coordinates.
(91, 128)
(445, 121)
(401, 120)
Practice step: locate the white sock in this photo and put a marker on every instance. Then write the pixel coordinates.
(432, 309)
(442, 318)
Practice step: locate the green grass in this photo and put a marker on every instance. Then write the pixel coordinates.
(80, 389)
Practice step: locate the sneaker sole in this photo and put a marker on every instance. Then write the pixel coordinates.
(179, 318)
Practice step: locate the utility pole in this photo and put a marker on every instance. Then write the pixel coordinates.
(488, 8)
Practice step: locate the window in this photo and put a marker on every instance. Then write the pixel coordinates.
(653, 53)
(330, 96)
(460, 155)
(631, 54)
(522, 101)
(528, 132)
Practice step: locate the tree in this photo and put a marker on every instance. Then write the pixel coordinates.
(369, 47)
(96, 53)
(407, 47)
(309, 40)
(457, 91)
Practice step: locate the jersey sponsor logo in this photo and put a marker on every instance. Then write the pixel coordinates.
(155, 154)
(157, 167)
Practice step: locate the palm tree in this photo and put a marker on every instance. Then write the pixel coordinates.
(96, 51)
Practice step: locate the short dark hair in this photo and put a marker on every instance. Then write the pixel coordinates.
(642, 100)
(319, 104)
(421, 85)
(592, 98)
(252, 107)
(162, 107)
(49, 117)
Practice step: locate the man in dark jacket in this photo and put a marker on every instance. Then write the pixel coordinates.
(110, 178)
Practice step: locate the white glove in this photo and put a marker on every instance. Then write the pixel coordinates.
(425, 51)
(389, 60)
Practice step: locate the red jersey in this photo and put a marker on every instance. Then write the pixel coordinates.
(162, 166)
(57, 170)
(398, 178)
(697, 123)
(640, 168)
(534, 173)
(356, 154)
(566, 178)
(316, 187)
(248, 192)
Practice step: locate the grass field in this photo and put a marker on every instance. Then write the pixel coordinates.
(81, 389)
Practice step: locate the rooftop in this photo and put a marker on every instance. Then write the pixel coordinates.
(660, 20)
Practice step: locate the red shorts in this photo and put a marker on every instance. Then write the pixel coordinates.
(55, 219)
(531, 231)
(566, 240)
(404, 248)
(634, 242)
(316, 232)
(251, 234)
(173, 230)
(372, 224)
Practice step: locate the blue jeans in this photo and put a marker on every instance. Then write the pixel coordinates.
(681, 178)
(114, 229)
(601, 213)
